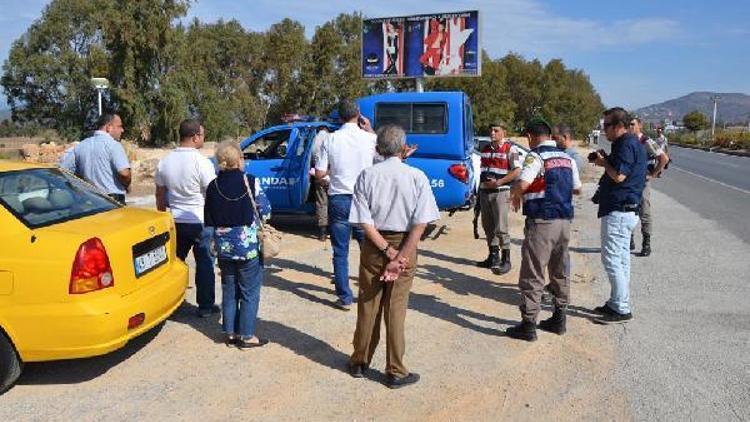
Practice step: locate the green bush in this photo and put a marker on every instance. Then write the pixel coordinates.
(732, 139)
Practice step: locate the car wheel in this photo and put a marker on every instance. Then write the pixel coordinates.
(10, 365)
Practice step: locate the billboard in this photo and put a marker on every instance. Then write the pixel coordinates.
(443, 44)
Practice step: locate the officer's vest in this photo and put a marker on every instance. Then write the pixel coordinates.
(496, 162)
(550, 195)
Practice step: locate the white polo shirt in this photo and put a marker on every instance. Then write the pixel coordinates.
(345, 153)
(185, 173)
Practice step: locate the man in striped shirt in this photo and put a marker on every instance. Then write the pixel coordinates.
(500, 166)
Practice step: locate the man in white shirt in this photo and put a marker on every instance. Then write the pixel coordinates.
(181, 181)
(343, 156)
(393, 203)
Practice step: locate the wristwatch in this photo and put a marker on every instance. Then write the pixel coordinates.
(385, 250)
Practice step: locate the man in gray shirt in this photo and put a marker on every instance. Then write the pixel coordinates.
(563, 136)
(392, 203)
(101, 160)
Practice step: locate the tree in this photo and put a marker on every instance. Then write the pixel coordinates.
(695, 121)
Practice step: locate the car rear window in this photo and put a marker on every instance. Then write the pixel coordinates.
(417, 118)
(42, 197)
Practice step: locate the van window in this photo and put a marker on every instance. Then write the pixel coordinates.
(272, 145)
(418, 118)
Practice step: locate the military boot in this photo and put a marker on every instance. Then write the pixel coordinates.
(504, 266)
(523, 331)
(556, 323)
(646, 246)
(493, 258)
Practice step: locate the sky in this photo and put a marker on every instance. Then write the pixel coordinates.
(636, 52)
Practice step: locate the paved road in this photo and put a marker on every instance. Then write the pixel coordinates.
(686, 356)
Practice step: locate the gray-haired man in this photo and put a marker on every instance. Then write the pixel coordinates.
(393, 203)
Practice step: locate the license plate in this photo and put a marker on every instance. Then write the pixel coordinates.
(150, 260)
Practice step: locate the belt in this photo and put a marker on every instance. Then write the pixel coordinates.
(627, 208)
(501, 188)
(389, 232)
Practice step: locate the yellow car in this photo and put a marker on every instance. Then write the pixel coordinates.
(80, 275)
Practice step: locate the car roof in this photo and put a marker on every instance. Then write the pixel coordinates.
(8, 165)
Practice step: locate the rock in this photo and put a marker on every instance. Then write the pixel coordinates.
(30, 151)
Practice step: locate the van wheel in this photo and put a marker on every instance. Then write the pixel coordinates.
(10, 365)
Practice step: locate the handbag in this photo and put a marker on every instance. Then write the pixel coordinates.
(269, 238)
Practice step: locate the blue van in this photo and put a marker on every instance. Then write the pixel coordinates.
(440, 123)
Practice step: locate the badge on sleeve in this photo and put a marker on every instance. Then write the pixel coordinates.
(529, 160)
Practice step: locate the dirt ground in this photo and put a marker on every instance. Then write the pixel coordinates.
(455, 341)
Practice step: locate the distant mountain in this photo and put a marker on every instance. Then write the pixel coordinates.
(731, 108)
(4, 114)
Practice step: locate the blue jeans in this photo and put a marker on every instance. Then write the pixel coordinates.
(341, 232)
(616, 229)
(240, 286)
(198, 238)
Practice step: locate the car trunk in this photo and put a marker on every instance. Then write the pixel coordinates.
(140, 243)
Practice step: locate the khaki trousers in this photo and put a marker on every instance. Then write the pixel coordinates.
(645, 214)
(545, 246)
(377, 300)
(494, 205)
(320, 190)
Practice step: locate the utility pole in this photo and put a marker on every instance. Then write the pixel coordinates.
(716, 99)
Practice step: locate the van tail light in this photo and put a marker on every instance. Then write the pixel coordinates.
(460, 172)
(91, 269)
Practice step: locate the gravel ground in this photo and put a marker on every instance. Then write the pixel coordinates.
(455, 340)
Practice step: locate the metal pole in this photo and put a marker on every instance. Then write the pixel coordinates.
(713, 122)
(99, 92)
(420, 84)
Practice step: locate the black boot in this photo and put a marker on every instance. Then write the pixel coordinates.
(322, 233)
(646, 247)
(504, 266)
(632, 242)
(556, 323)
(523, 331)
(493, 259)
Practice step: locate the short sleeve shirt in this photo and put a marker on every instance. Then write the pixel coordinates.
(344, 154)
(393, 196)
(185, 173)
(99, 159)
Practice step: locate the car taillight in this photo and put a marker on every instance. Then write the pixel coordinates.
(460, 172)
(91, 270)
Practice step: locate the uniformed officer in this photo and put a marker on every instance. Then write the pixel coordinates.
(499, 168)
(548, 180)
(657, 160)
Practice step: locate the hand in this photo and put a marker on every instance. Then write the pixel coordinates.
(408, 150)
(364, 124)
(515, 202)
(600, 160)
(392, 271)
(391, 253)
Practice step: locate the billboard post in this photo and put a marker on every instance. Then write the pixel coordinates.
(422, 46)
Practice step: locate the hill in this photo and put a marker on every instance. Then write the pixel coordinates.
(731, 108)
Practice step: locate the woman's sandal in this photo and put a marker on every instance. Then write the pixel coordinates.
(247, 344)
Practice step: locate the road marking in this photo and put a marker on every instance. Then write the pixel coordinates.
(714, 180)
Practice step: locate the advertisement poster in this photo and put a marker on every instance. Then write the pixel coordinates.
(443, 44)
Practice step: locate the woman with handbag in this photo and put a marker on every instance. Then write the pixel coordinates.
(236, 207)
